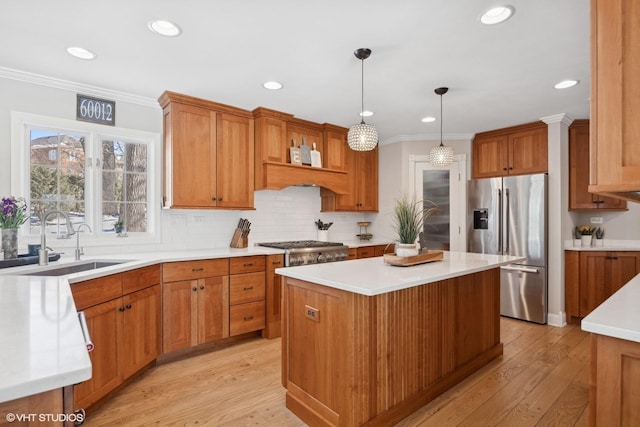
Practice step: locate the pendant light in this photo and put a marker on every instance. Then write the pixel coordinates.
(441, 155)
(362, 137)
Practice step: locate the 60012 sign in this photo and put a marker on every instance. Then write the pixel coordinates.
(96, 110)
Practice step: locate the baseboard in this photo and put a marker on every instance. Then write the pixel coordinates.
(557, 319)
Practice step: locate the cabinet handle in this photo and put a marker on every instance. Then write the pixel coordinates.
(197, 269)
(248, 264)
(597, 202)
(276, 262)
(247, 288)
(246, 318)
(121, 309)
(128, 306)
(201, 286)
(194, 289)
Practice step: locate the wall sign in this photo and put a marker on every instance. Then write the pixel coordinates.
(95, 110)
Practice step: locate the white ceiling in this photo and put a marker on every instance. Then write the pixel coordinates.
(497, 76)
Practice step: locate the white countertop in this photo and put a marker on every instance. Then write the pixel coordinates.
(364, 243)
(605, 245)
(619, 315)
(371, 276)
(42, 344)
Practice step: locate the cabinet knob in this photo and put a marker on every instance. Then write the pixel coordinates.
(504, 169)
(121, 309)
(510, 168)
(213, 199)
(201, 286)
(194, 289)
(219, 199)
(128, 306)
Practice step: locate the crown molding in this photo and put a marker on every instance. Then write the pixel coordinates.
(23, 76)
(563, 118)
(429, 137)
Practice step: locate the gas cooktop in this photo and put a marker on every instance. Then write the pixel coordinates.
(298, 244)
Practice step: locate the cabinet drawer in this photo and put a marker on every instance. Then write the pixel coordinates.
(246, 287)
(246, 264)
(384, 249)
(187, 270)
(140, 278)
(366, 252)
(246, 318)
(353, 253)
(96, 291)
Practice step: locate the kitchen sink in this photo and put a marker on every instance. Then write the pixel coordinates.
(76, 268)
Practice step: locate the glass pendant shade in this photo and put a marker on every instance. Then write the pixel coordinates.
(441, 155)
(362, 137)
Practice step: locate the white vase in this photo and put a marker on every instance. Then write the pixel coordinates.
(406, 249)
(586, 240)
(323, 235)
(599, 243)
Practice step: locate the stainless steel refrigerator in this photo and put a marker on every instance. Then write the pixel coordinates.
(508, 216)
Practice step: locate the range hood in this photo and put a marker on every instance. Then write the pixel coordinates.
(276, 176)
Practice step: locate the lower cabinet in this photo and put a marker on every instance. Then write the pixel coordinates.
(246, 294)
(593, 276)
(123, 317)
(371, 251)
(273, 297)
(194, 303)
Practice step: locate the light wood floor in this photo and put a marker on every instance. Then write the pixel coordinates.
(541, 380)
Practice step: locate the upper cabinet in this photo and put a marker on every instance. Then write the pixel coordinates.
(362, 175)
(208, 154)
(517, 150)
(615, 98)
(579, 196)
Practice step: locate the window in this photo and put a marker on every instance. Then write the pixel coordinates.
(98, 175)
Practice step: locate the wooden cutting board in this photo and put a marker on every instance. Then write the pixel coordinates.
(407, 261)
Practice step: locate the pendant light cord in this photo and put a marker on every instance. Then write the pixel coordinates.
(441, 121)
(362, 93)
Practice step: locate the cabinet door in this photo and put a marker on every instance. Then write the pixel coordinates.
(624, 266)
(594, 277)
(235, 165)
(273, 296)
(611, 203)
(179, 317)
(192, 156)
(140, 337)
(528, 152)
(335, 149)
(489, 156)
(367, 181)
(579, 196)
(348, 202)
(103, 321)
(274, 146)
(213, 309)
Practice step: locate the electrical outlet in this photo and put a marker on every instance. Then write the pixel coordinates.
(199, 219)
(596, 220)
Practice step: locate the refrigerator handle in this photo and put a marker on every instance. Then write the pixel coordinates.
(506, 220)
(499, 221)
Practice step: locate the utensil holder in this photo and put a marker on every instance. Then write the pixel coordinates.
(323, 235)
(239, 239)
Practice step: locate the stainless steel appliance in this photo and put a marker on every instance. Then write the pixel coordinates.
(508, 216)
(302, 252)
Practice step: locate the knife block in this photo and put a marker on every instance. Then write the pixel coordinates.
(238, 240)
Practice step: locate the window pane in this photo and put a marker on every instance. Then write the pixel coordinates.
(124, 185)
(57, 180)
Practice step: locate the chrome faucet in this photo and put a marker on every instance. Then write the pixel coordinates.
(79, 250)
(43, 253)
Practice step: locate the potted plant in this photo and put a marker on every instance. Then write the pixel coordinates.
(599, 233)
(586, 234)
(408, 221)
(118, 226)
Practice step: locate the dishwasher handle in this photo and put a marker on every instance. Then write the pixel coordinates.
(522, 269)
(85, 331)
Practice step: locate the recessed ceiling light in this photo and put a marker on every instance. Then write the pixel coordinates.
(80, 52)
(366, 113)
(497, 15)
(272, 85)
(565, 84)
(428, 119)
(164, 28)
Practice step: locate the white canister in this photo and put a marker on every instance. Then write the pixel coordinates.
(323, 235)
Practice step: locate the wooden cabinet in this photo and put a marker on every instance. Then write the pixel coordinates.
(273, 296)
(47, 402)
(208, 154)
(615, 382)
(362, 179)
(123, 317)
(615, 98)
(517, 150)
(370, 251)
(195, 303)
(593, 276)
(384, 249)
(579, 196)
(246, 294)
(366, 252)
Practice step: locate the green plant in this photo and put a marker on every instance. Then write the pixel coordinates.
(409, 218)
(599, 233)
(576, 233)
(586, 230)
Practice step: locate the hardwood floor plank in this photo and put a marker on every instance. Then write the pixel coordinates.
(542, 379)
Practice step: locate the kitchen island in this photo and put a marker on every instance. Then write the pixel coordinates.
(368, 343)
